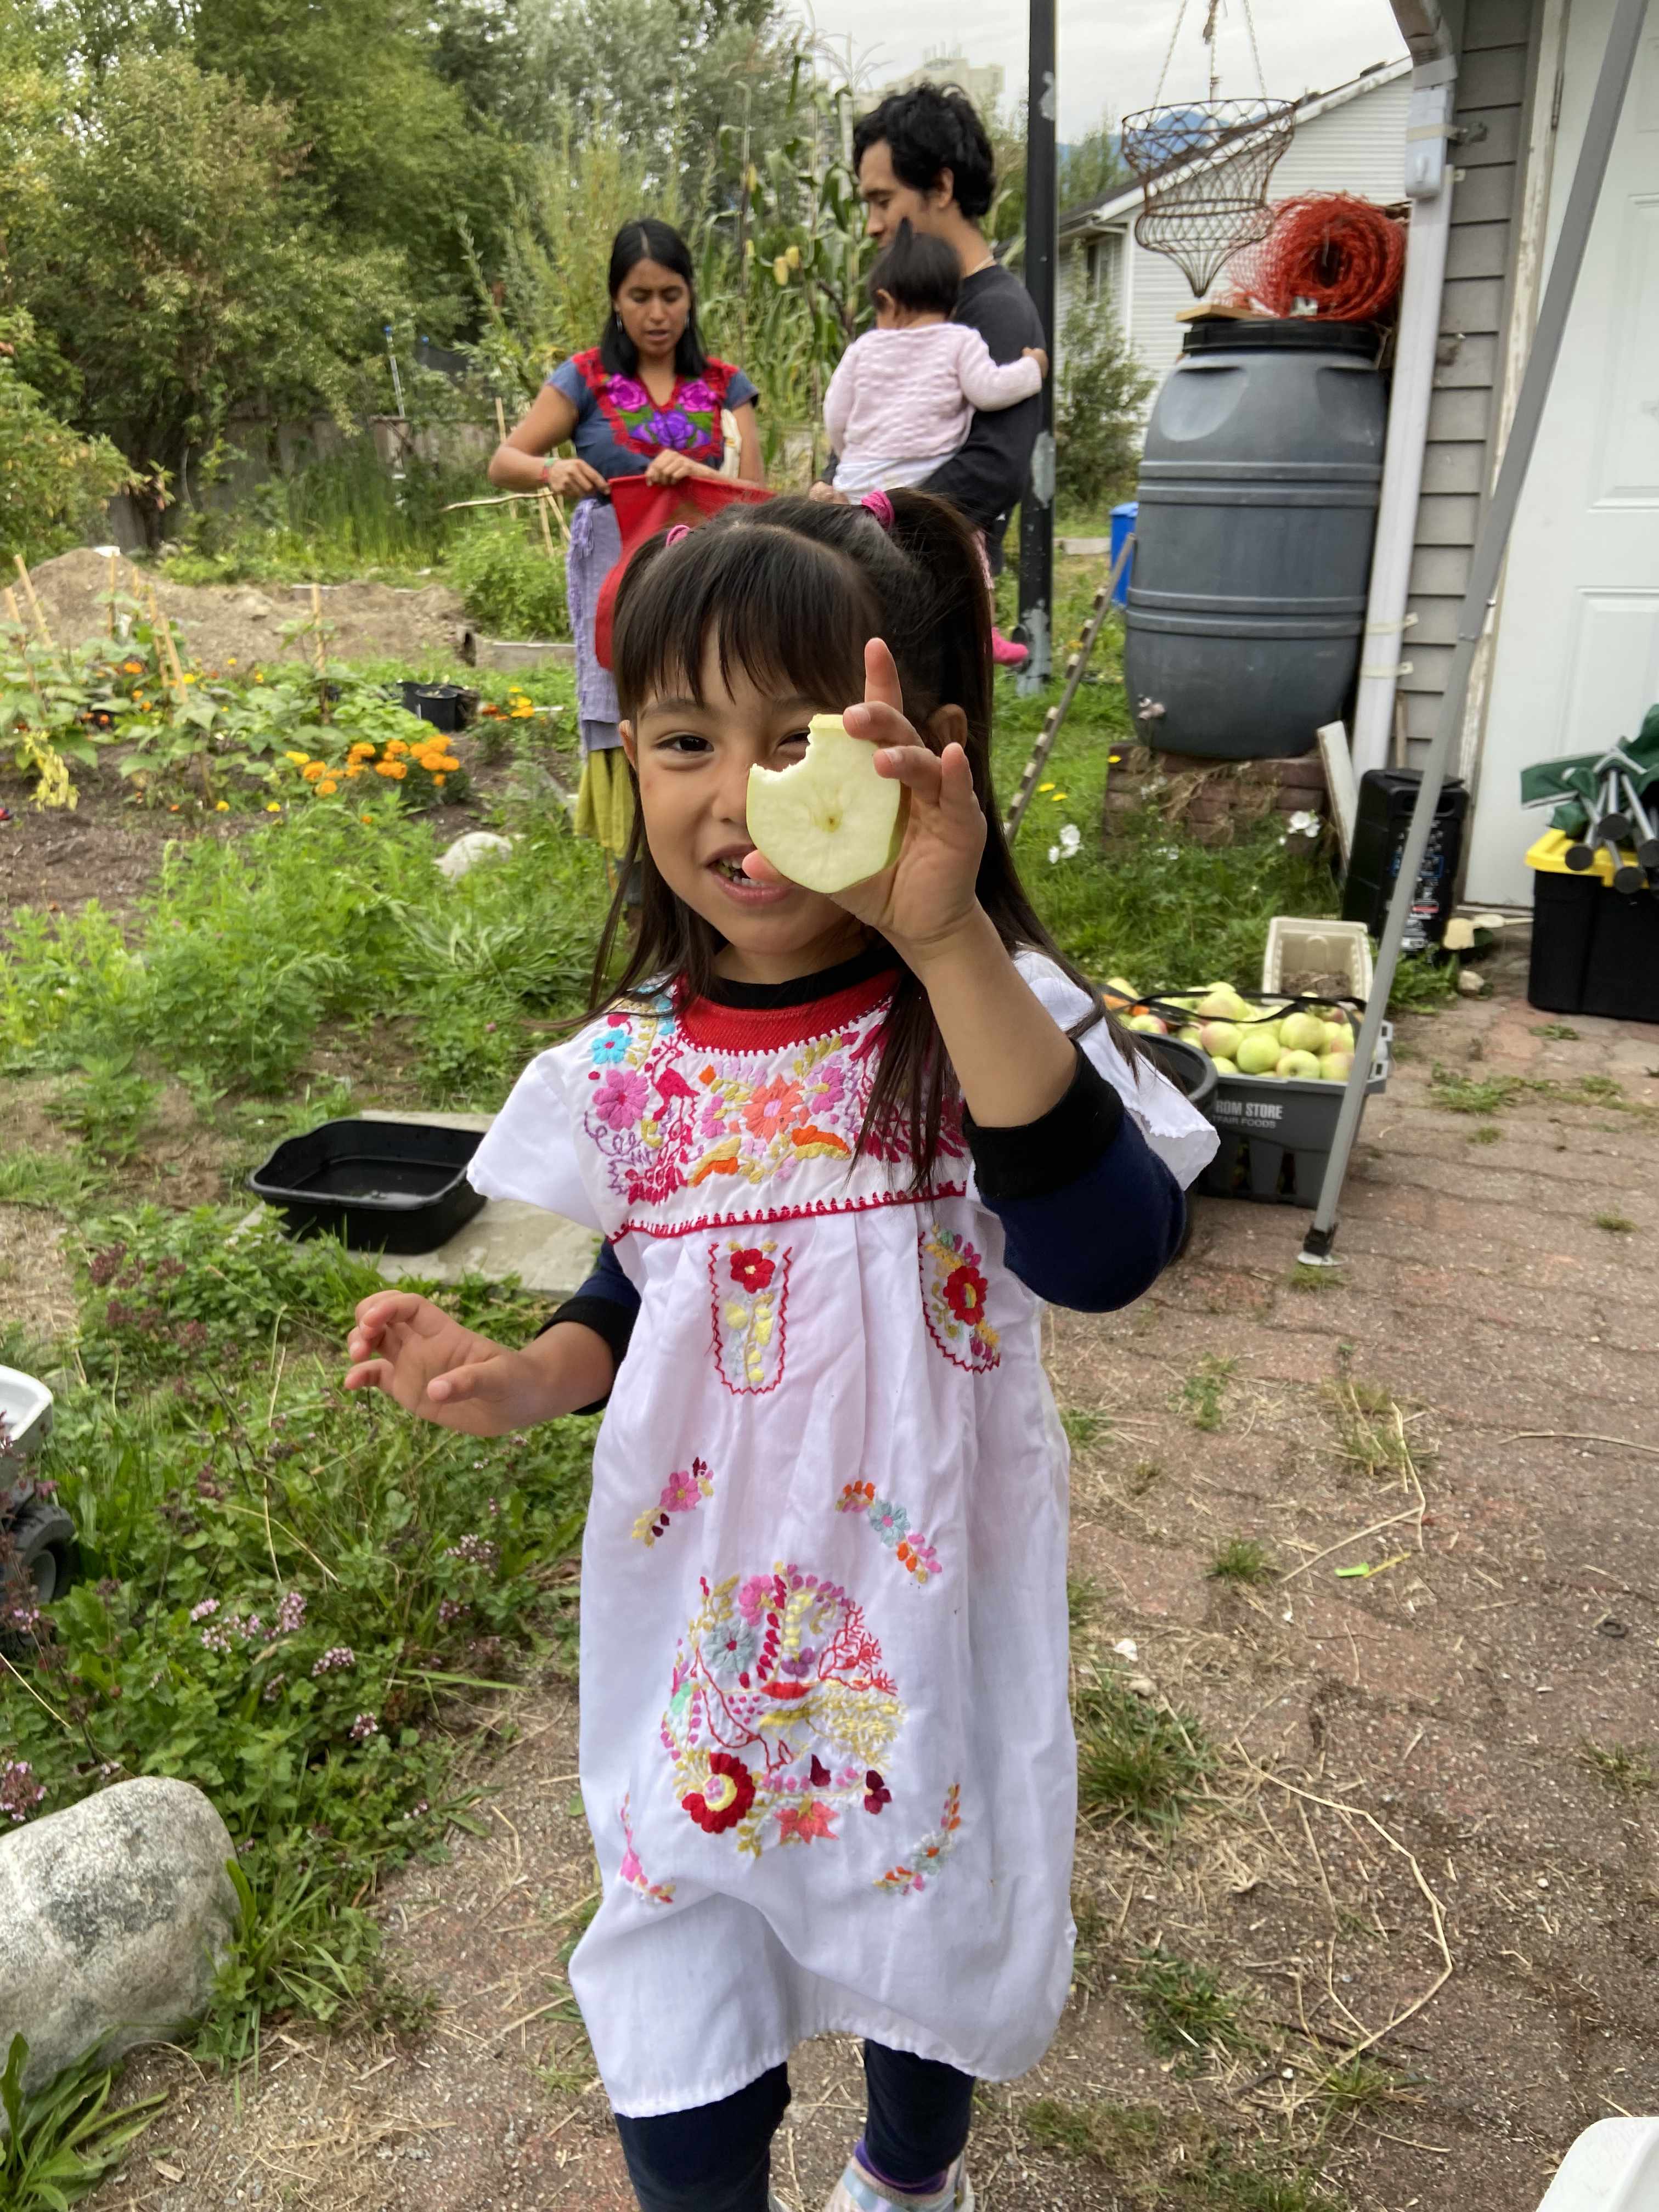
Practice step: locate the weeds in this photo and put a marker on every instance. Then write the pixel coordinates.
(1555, 1032)
(1183, 2008)
(1082, 1602)
(1137, 1760)
(1625, 1768)
(1463, 1094)
(1371, 1429)
(1302, 1277)
(1168, 2161)
(1616, 1224)
(1422, 985)
(1242, 1560)
(108, 1107)
(1487, 1133)
(1084, 1428)
(1202, 1394)
(1358, 2085)
(58, 2143)
(28, 1177)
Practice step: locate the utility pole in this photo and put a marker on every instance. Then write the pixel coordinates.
(1036, 507)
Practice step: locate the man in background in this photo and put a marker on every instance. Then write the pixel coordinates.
(923, 156)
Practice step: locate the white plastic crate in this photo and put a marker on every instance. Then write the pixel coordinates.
(1297, 951)
(1613, 2168)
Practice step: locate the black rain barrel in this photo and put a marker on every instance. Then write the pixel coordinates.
(1258, 502)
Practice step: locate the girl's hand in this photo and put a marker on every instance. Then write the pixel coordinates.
(929, 894)
(422, 1357)
(1036, 354)
(670, 468)
(574, 479)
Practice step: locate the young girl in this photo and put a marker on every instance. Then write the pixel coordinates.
(840, 1151)
(902, 395)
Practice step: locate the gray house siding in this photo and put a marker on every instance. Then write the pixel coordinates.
(1497, 61)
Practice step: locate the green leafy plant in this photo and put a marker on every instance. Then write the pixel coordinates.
(507, 585)
(54, 482)
(108, 1106)
(1100, 405)
(1202, 1394)
(1184, 2009)
(59, 2143)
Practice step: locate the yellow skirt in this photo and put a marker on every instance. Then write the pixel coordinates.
(605, 801)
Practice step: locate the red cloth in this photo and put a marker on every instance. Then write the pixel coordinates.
(643, 509)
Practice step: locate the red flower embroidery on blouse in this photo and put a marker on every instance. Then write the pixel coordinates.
(752, 1269)
(798, 1824)
(776, 1106)
(965, 1293)
(725, 1797)
(877, 1793)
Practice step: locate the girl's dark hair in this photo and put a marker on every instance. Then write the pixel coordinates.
(645, 239)
(919, 272)
(789, 592)
(928, 129)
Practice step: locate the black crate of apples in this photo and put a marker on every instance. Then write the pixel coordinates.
(1280, 1066)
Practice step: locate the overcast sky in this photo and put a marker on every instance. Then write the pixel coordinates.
(1111, 50)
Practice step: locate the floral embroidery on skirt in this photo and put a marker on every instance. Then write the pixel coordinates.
(930, 1853)
(953, 1295)
(780, 1711)
(748, 1296)
(892, 1524)
(682, 1492)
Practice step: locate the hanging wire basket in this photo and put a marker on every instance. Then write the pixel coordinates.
(1204, 168)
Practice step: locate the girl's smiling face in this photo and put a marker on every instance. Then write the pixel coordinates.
(693, 762)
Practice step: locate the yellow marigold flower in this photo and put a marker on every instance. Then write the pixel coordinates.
(298, 759)
(132, 667)
(185, 676)
(272, 807)
(439, 781)
(365, 817)
(313, 770)
(523, 714)
(395, 770)
(395, 748)
(362, 749)
(448, 763)
(328, 787)
(221, 806)
(257, 677)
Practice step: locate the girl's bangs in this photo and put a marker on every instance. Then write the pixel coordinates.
(791, 614)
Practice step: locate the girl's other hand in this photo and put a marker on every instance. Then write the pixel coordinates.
(1036, 354)
(930, 891)
(423, 1357)
(574, 479)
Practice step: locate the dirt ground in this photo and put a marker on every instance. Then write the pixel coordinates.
(1421, 1870)
(222, 622)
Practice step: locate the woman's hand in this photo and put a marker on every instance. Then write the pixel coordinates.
(423, 1357)
(574, 479)
(669, 468)
(929, 894)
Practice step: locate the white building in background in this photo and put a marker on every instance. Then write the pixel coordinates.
(1351, 139)
(984, 87)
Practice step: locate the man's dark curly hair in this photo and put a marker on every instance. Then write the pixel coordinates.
(929, 129)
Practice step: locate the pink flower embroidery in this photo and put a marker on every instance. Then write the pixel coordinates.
(756, 1596)
(798, 1824)
(776, 1107)
(680, 1493)
(620, 1099)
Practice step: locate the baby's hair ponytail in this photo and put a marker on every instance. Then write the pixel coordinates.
(789, 592)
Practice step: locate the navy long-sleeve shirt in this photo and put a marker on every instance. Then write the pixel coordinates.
(1091, 1216)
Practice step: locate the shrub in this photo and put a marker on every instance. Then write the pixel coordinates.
(1099, 406)
(507, 584)
(53, 482)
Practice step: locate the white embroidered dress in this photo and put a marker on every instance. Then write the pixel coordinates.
(826, 1749)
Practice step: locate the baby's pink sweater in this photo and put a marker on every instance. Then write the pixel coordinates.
(909, 394)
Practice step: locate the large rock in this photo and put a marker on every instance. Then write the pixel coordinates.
(114, 1916)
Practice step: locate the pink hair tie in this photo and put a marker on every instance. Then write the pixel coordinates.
(680, 530)
(881, 507)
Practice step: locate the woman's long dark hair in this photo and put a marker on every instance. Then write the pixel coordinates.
(790, 591)
(645, 239)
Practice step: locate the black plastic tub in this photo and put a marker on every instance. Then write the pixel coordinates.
(441, 704)
(381, 1186)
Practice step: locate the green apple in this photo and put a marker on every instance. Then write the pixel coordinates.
(1336, 1067)
(1221, 1040)
(830, 821)
(1297, 1066)
(1148, 1025)
(1225, 1067)
(1339, 1038)
(1302, 1033)
(1258, 1053)
(1191, 1034)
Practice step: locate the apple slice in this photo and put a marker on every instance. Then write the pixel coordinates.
(829, 820)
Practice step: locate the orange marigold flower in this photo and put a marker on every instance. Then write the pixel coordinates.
(354, 767)
(313, 770)
(328, 787)
(396, 748)
(394, 768)
(439, 781)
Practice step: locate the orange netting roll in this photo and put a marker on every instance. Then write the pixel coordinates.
(1340, 255)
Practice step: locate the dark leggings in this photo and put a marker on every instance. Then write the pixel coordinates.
(718, 2157)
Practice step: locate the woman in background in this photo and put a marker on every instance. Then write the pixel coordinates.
(647, 400)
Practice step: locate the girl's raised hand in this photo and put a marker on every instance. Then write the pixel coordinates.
(931, 889)
(423, 1357)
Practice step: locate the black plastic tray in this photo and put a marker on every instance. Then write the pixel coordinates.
(381, 1186)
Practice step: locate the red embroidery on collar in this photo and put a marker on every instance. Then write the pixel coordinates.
(705, 1024)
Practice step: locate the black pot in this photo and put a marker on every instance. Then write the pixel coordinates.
(439, 704)
(381, 1186)
(1191, 1070)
